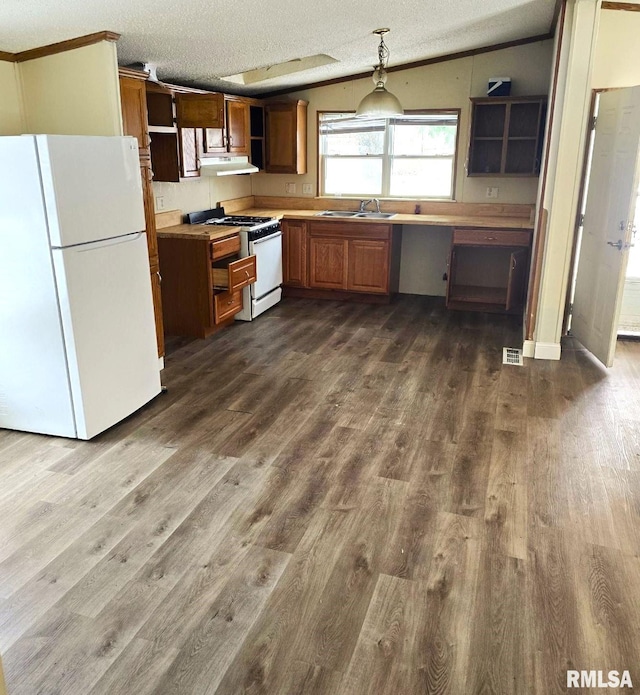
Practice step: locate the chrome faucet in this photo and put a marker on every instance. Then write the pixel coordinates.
(364, 203)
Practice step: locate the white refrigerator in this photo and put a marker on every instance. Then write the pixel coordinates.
(77, 333)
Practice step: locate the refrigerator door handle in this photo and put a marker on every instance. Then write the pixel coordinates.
(112, 241)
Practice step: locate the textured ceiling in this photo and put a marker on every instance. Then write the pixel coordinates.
(198, 41)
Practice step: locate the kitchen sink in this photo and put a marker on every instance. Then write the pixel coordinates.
(376, 215)
(360, 215)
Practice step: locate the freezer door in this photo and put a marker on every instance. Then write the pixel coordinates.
(35, 394)
(107, 317)
(92, 187)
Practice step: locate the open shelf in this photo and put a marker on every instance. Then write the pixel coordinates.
(506, 136)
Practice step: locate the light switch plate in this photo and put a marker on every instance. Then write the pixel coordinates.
(289, 187)
(159, 203)
(492, 192)
(307, 189)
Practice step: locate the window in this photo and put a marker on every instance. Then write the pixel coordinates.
(412, 156)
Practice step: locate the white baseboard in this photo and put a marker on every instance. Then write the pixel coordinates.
(528, 348)
(547, 351)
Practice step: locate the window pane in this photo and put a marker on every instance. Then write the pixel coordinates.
(354, 143)
(362, 176)
(431, 178)
(429, 140)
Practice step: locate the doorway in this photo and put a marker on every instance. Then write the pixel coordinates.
(605, 221)
(629, 324)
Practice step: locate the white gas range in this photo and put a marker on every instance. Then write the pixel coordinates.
(260, 237)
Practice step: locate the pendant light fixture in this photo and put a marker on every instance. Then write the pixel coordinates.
(380, 102)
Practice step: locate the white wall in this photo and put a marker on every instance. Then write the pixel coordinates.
(73, 93)
(442, 85)
(617, 58)
(200, 194)
(11, 110)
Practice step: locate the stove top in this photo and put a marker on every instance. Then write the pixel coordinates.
(254, 227)
(240, 221)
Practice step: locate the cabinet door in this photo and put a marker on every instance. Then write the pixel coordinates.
(149, 212)
(286, 147)
(133, 101)
(368, 266)
(238, 126)
(328, 263)
(518, 273)
(294, 253)
(215, 141)
(190, 148)
(157, 307)
(200, 110)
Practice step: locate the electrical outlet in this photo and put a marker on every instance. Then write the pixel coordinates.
(307, 189)
(492, 192)
(159, 202)
(289, 187)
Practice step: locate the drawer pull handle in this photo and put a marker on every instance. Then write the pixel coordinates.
(490, 238)
(230, 301)
(247, 274)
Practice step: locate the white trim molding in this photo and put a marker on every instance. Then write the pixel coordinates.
(547, 351)
(528, 348)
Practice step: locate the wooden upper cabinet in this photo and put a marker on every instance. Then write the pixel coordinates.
(238, 126)
(286, 137)
(133, 102)
(233, 137)
(506, 136)
(200, 110)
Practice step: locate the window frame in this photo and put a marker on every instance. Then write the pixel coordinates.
(388, 158)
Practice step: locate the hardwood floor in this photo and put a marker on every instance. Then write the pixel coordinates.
(336, 499)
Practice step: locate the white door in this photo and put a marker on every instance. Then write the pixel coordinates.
(104, 291)
(608, 223)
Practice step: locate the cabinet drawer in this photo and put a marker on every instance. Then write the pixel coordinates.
(354, 230)
(225, 247)
(490, 237)
(226, 305)
(236, 275)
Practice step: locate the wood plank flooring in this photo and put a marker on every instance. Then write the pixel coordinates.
(337, 499)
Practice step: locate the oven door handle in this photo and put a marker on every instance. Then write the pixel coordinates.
(266, 238)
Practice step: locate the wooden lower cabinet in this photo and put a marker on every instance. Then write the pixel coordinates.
(328, 263)
(294, 253)
(488, 270)
(202, 283)
(368, 268)
(337, 256)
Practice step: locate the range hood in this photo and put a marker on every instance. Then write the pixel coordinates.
(226, 166)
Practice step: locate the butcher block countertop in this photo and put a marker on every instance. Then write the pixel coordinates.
(479, 221)
(196, 231)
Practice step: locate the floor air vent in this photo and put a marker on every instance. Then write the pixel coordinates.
(512, 356)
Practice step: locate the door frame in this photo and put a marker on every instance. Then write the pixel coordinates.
(586, 168)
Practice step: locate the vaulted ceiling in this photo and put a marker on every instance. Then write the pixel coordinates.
(200, 41)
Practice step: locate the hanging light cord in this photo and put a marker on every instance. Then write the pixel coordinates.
(383, 54)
